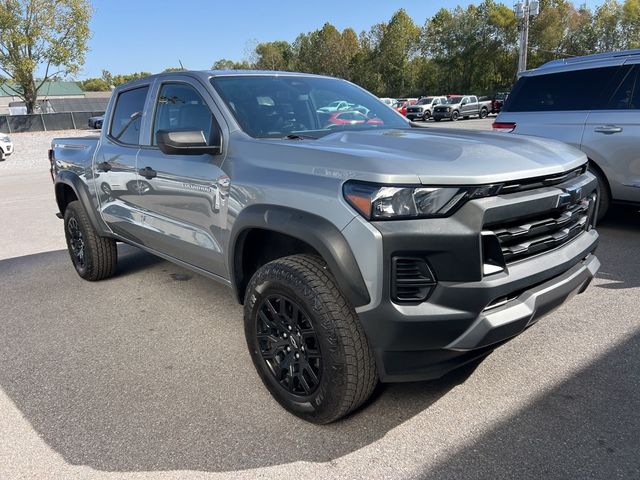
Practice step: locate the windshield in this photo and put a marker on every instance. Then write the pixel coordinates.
(307, 106)
(453, 100)
(425, 101)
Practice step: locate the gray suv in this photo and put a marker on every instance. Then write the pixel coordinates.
(592, 103)
(362, 251)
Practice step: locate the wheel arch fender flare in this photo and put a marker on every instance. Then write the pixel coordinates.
(69, 179)
(323, 236)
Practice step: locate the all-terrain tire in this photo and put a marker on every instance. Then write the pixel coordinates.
(348, 375)
(484, 113)
(94, 257)
(455, 115)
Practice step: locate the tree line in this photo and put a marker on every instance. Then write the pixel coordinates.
(472, 49)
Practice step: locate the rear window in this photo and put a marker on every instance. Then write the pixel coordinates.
(575, 90)
(127, 116)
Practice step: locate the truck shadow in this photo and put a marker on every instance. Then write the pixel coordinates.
(619, 247)
(586, 427)
(145, 373)
(142, 372)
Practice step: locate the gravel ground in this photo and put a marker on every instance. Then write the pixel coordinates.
(30, 150)
(146, 377)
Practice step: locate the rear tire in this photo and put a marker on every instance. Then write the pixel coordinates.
(604, 193)
(94, 257)
(306, 341)
(484, 113)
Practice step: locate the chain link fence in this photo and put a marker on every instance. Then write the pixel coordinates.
(45, 121)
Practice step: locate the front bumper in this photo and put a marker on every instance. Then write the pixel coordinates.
(7, 148)
(441, 115)
(465, 316)
(415, 115)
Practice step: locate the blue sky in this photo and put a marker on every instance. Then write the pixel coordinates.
(151, 35)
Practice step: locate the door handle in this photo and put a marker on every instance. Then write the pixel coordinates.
(608, 129)
(148, 173)
(104, 166)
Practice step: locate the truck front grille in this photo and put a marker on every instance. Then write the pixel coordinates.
(526, 237)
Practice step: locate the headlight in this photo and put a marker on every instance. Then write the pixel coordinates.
(379, 202)
(448, 109)
(5, 138)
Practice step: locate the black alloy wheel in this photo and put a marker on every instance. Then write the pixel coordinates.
(76, 242)
(289, 345)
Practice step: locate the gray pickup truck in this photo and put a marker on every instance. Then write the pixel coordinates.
(464, 106)
(362, 252)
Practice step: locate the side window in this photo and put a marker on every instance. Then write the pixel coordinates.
(574, 90)
(127, 116)
(180, 106)
(474, 100)
(627, 88)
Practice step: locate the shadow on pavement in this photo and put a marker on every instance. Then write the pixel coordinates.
(619, 248)
(142, 372)
(587, 427)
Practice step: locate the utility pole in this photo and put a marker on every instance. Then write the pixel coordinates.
(525, 10)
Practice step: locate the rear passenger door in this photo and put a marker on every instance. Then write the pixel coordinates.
(612, 135)
(115, 173)
(472, 106)
(556, 105)
(184, 197)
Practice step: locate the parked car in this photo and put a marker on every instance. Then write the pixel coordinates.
(388, 101)
(592, 103)
(498, 101)
(464, 106)
(96, 122)
(361, 252)
(351, 118)
(336, 106)
(424, 107)
(401, 105)
(6, 147)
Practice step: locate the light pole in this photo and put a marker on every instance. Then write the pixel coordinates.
(524, 10)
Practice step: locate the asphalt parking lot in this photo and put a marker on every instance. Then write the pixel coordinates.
(146, 375)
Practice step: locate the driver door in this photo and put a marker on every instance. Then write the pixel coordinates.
(184, 197)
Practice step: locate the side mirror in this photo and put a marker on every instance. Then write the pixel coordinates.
(186, 142)
(464, 102)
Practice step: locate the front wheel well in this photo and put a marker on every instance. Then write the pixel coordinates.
(257, 247)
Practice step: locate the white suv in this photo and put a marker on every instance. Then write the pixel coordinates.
(6, 147)
(592, 103)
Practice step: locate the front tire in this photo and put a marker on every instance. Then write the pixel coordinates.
(94, 257)
(455, 115)
(306, 341)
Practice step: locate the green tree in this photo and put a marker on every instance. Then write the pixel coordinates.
(95, 85)
(398, 44)
(50, 35)
(326, 51)
(631, 23)
(224, 64)
(276, 55)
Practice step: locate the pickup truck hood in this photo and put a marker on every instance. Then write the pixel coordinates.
(445, 156)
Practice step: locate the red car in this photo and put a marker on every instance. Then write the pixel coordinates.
(351, 118)
(402, 105)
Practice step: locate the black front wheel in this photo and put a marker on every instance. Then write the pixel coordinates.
(306, 341)
(455, 116)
